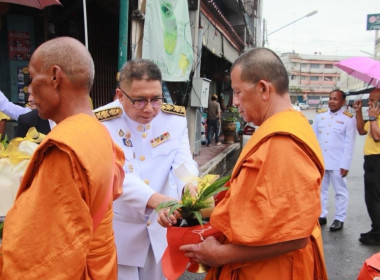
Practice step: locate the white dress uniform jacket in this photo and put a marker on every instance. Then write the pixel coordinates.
(336, 135)
(152, 151)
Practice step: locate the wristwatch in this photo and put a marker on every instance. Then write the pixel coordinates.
(371, 119)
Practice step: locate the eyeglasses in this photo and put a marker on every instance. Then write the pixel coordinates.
(141, 103)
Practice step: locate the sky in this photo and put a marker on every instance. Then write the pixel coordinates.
(339, 27)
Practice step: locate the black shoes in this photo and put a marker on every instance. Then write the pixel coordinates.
(322, 221)
(336, 225)
(370, 238)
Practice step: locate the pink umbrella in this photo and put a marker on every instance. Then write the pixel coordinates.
(39, 4)
(363, 68)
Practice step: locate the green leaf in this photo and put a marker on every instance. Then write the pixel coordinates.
(214, 188)
(175, 207)
(166, 204)
(198, 215)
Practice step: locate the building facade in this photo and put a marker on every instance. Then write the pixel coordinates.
(311, 77)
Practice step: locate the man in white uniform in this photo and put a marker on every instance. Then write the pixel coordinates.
(155, 141)
(335, 130)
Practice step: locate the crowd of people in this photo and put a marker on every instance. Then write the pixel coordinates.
(85, 208)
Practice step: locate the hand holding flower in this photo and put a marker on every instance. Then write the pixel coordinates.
(190, 206)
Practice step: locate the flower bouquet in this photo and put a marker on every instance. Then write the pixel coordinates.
(198, 207)
(14, 158)
(193, 209)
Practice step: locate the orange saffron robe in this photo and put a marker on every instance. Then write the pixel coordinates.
(275, 197)
(60, 226)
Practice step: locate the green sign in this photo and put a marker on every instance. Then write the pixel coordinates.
(167, 38)
(373, 22)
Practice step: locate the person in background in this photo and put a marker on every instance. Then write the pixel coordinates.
(371, 164)
(269, 215)
(60, 226)
(335, 130)
(11, 109)
(213, 120)
(32, 119)
(155, 141)
(3, 123)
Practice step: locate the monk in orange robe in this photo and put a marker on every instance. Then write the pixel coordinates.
(60, 226)
(269, 216)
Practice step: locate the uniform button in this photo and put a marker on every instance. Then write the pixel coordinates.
(148, 223)
(130, 167)
(147, 126)
(140, 128)
(142, 158)
(146, 181)
(128, 135)
(144, 135)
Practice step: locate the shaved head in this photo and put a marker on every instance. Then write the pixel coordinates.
(71, 56)
(263, 64)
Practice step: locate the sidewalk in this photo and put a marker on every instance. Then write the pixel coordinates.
(217, 159)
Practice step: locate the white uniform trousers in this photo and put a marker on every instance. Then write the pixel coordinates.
(150, 271)
(341, 194)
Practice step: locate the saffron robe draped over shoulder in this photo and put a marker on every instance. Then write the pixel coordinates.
(60, 226)
(275, 197)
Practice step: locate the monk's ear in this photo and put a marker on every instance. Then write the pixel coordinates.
(55, 75)
(264, 88)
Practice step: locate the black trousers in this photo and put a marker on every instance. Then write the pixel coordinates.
(212, 128)
(372, 191)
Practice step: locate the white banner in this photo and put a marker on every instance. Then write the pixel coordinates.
(167, 38)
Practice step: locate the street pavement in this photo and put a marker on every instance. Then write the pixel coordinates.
(344, 254)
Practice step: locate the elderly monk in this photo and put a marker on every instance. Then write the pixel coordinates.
(269, 216)
(60, 226)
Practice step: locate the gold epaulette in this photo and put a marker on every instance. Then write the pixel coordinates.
(348, 114)
(173, 109)
(108, 114)
(321, 111)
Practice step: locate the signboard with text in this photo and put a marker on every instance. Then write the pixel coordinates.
(373, 22)
(19, 45)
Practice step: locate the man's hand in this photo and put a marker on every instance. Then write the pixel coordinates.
(343, 172)
(166, 220)
(357, 105)
(192, 189)
(374, 110)
(204, 252)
